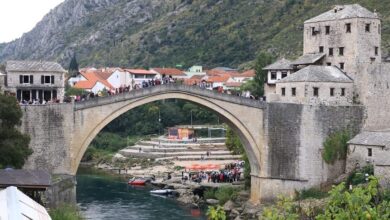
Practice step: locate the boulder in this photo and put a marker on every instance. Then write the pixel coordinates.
(228, 206)
(212, 201)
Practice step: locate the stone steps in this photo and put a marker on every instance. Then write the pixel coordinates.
(136, 153)
(198, 158)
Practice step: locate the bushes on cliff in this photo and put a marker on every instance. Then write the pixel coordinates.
(66, 212)
(335, 147)
(14, 148)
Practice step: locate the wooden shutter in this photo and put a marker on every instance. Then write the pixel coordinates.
(21, 79)
(42, 79)
(31, 79)
(52, 79)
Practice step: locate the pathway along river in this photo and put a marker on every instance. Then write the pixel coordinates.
(104, 197)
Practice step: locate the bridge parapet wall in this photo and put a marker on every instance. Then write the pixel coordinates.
(169, 88)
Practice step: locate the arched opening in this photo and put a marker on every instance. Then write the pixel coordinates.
(233, 121)
(242, 116)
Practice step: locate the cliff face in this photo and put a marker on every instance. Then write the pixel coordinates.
(168, 32)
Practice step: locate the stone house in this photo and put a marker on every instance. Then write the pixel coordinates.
(140, 75)
(325, 85)
(35, 80)
(276, 71)
(371, 148)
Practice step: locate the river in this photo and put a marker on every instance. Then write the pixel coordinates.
(105, 197)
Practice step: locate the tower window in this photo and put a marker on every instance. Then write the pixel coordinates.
(376, 51)
(284, 74)
(348, 26)
(342, 91)
(331, 91)
(330, 51)
(315, 91)
(273, 75)
(321, 49)
(313, 31)
(329, 64)
(294, 91)
(368, 27)
(369, 152)
(342, 66)
(283, 91)
(341, 51)
(327, 30)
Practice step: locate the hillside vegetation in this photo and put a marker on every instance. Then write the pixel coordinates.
(147, 33)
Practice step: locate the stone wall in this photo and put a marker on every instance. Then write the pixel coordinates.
(373, 89)
(295, 135)
(62, 191)
(2, 82)
(304, 93)
(51, 129)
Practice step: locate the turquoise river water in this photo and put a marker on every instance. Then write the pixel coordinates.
(102, 197)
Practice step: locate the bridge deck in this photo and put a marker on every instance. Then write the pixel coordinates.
(168, 88)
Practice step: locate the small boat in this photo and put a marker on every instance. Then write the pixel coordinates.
(137, 182)
(162, 191)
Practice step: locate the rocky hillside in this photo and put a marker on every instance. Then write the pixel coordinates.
(168, 32)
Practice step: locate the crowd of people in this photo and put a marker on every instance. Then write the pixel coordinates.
(231, 173)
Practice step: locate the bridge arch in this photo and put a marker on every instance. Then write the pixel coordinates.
(244, 116)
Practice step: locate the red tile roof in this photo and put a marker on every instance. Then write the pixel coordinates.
(92, 77)
(248, 73)
(219, 78)
(169, 71)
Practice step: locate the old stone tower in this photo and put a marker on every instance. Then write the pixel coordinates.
(347, 35)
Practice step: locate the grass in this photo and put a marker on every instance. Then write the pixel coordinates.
(66, 212)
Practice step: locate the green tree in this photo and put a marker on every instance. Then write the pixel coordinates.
(14, 148)
(73, 66)
(216, 213)
(256, 86)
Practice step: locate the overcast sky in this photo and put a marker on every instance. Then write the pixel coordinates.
(20, 16)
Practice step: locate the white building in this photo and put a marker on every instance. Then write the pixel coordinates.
(195, 70)
(138, 76)
(276, 71)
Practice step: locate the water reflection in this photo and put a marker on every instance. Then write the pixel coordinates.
(107, 198)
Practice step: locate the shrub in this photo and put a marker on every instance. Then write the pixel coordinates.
(359, 176)
(223, 194)
(66, 212)
(284, 209)
(209, 194)
(216, 213)
(314, 193)
(335, 147)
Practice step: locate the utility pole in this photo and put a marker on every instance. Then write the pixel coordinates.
(191, 118)
(159, 122)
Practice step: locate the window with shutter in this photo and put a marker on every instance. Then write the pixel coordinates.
(52, 79)
(31, 79)
(42, 79)
(21, 79)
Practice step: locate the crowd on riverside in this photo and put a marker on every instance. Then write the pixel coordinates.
(231, 173)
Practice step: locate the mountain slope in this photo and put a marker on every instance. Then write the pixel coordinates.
(167, 32)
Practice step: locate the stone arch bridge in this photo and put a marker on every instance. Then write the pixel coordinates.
(282, 157)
